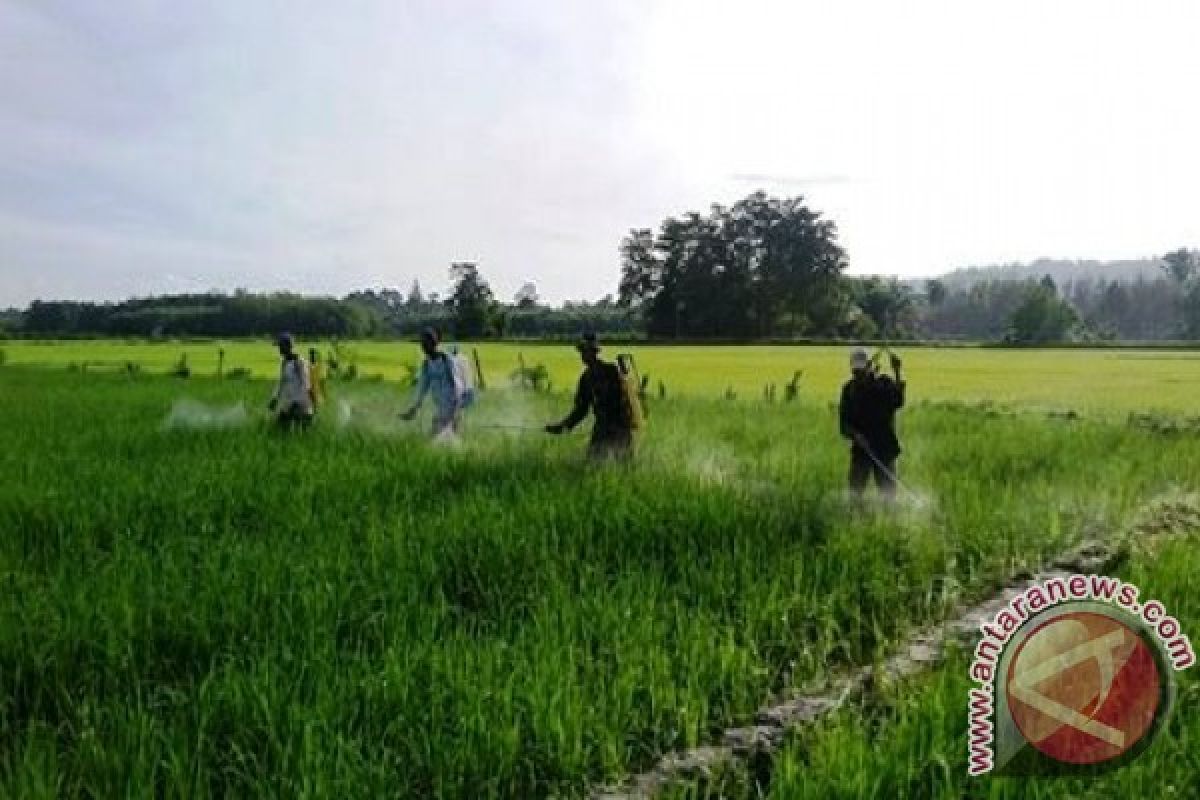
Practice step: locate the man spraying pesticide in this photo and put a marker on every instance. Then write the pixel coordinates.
(603, 391)
(442, 377)
(867, 417)
(293, 398)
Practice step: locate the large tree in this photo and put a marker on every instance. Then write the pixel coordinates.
(761, 267)
(471, 301)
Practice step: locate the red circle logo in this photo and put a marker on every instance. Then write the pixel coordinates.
(1083, 688)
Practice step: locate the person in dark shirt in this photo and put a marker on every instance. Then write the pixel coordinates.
(867, 417)
(600, 391)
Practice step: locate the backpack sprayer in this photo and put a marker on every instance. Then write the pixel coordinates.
(630, 383)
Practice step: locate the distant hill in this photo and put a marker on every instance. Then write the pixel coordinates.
(1061, 270)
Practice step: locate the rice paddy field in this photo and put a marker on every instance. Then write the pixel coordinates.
(1115, 380)
(200, 606)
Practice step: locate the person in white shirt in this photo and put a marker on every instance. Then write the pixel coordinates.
(292, 401)
(439, 378)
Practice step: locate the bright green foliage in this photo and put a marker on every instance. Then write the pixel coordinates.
(213, 609)
(1094, 381)
(913, 743)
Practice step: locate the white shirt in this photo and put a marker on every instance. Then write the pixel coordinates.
(294, 385)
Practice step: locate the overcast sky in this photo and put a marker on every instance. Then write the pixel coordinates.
(153, 146)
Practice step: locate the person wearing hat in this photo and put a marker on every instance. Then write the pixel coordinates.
(292, 400)
(867, 417)
(437, 378)
(600, 392)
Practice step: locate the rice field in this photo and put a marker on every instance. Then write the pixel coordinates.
(909, 742)
(202, 607)
(1109, 381)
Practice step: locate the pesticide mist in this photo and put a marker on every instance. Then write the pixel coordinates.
(192, 414)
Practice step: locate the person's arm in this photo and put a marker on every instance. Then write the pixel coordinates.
(273, 403)
(422, 390)
(583, 404)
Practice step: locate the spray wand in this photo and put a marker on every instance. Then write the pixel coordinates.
(861, 442)
(498, 427)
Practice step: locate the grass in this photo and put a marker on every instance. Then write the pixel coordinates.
(912, 742)
(211, 611)
(1093, 381)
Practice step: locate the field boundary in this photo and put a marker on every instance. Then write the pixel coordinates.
(799, 709)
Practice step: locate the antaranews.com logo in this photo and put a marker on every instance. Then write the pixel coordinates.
(1074, 674)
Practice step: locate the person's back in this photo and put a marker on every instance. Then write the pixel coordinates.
(437, 373)
(294, 385)
(608, 399)
(867, 417)
(293, 398)
(869, 405)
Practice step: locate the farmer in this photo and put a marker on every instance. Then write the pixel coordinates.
(292, 401)
(867, 415)
(601, 392)
(438, 378)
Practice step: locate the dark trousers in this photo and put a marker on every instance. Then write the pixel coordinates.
(863, 468)
(294, 417)
(617, 445)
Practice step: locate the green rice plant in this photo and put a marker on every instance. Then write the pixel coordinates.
(220, 610)
(535, 378)
(912, 743)
(1101, 381)
(791, 391)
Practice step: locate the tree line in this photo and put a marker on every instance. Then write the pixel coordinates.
(764, 267)
(772, 268)
(212, 314)
(469, 311)
(1161, 308)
